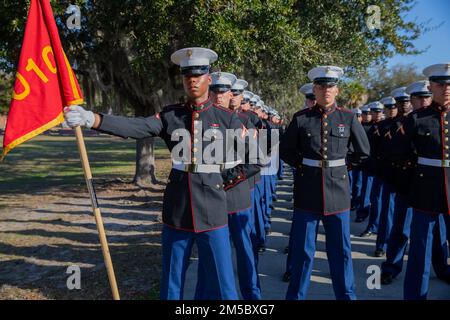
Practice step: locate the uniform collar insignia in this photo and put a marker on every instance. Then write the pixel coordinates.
(323, 110)
(201, 106)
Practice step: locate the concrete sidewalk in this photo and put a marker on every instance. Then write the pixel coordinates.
(272, 262)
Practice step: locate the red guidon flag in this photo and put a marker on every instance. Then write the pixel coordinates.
(45, 81)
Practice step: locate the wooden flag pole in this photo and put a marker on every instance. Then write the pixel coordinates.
(97, 214)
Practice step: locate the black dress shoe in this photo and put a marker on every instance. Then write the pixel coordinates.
(286, 250)
(366, 234)
(386, 278)
(379, 253)
(287, 276)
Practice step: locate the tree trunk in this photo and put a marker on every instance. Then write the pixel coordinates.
(145, 163)
(144, 175)
(134, 88)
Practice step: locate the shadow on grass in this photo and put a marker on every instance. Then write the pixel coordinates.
(109, 226)
(137, 270)
(136, 258)
(132, 215)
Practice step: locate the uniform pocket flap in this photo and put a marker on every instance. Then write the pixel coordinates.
(212, 180)
(339, 172)
(428, 172)
(340, 131)
(427, 132)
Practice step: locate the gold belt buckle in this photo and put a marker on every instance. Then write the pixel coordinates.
(324, 164)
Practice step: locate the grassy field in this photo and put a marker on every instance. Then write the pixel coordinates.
(46, 221)
(48, 161)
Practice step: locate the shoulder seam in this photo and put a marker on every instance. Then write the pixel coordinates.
(345, 110)
(298, 113)
(174, 105)
(222, 108)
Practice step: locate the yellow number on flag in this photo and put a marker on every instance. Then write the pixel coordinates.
(45, 52)
(26, 88)
(32, 66)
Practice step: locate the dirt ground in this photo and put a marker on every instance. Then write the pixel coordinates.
(44, 232)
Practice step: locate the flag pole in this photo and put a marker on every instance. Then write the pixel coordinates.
(97, 214)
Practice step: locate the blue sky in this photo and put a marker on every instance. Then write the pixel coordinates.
(437, 40)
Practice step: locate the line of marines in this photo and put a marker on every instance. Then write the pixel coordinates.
(409, 152)
(401, 188)
(399, 169)
(212, 205)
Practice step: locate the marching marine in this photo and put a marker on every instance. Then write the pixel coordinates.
(372, 166)
(316, 144)
(310, 101)
(429, 132)
(363, 205)
(390, 159)
(195, 204)
(227, 93)
(399, 236)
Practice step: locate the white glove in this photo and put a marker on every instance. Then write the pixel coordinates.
(77, 116)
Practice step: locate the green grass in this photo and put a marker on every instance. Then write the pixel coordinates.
(47, 161)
